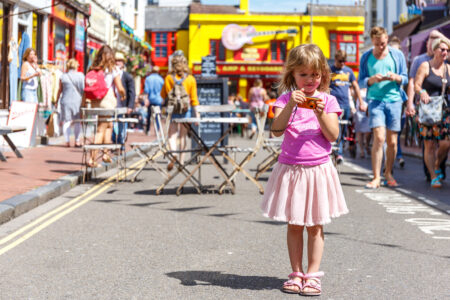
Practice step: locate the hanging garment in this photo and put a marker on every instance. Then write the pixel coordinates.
(13, 70)
(24, 45)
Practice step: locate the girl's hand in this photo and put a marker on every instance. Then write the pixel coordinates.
(319, 108)
(297, 97)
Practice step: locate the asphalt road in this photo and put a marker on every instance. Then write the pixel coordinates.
(113, 240)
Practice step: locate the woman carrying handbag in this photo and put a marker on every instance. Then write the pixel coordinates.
(431, 84)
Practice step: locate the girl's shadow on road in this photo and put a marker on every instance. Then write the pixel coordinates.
(215, 278)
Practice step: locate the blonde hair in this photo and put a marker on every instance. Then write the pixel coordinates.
(377, 32)
(72, 64)
(309, 56)
(27, 53)
(180, 65)
(439, 41)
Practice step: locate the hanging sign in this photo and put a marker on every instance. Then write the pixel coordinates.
(79, 33)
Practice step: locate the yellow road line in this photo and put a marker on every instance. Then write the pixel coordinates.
(99, 188)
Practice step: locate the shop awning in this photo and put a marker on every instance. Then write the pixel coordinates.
(419, 40)
(128, 30)
(404, 30)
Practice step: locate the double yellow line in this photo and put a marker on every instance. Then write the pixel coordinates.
(59, 212)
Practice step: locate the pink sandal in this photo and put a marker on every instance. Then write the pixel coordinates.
(312, 281)
(291, 282)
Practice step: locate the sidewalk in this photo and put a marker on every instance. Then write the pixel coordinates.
(45, 172)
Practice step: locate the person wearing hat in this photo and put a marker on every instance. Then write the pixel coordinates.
(152, 87)
(119, 134)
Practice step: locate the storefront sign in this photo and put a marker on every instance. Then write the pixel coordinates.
(79, 33)
(251, 54)
(243, 69)
(64, 13)
(22, 114)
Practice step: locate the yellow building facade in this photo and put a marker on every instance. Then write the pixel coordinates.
(256, 45)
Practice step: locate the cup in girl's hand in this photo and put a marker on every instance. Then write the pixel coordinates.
(310, 103)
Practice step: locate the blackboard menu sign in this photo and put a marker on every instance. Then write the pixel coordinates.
(212, 92)
(209, 66)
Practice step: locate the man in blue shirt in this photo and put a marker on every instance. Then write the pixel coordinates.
(383, 71)
(342, 77)
(152, 87)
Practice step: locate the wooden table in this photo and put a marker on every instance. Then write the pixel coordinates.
(4, 131)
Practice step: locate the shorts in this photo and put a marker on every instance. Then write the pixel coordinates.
(187, 114)
(385, 114)
(439, 131)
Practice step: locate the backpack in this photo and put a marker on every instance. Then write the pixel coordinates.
(178, 97)
(95, 85)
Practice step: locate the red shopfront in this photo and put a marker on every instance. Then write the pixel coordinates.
(66, 36)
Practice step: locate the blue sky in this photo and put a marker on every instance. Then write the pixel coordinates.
(278, 5)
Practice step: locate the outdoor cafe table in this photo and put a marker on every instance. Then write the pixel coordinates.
(209, 150)
(4, 131)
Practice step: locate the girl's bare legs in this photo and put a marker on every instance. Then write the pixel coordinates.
(295, 249)
(430, 157)
(173, 136)
(315, 250)
(99, 139)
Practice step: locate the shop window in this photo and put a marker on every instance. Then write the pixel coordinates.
(278, 50)
(36, 42)
(350, 42)
(217, 49)
(164, 44)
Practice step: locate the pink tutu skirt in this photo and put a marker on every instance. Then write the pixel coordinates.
(304, 195)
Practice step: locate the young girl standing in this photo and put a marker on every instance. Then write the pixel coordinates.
(304, 188)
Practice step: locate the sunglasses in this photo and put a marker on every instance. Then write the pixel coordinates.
(342, 61)
(443, 49)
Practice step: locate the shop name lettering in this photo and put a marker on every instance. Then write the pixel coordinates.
(396, 203)
(19, 114)
(243, 69)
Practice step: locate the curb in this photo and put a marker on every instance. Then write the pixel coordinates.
(20, 204)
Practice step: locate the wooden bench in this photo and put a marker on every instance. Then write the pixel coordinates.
(4, 131)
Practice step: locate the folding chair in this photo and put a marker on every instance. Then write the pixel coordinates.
(151, 150)
(272, 145)
(92, 116)
(171, 154)
(251, 153)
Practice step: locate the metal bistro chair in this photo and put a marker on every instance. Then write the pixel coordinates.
(169, 154)
(151, 150)
(92, 116)
(251, 153)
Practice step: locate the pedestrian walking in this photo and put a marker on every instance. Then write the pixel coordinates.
(184, 105)
(304, 188)
(342, 79)
(29, 76)
(106, 75)
(362, 128)
(432, 80)
(152, 88)
(70, 94)
(256, 96)
(119, 133)
(383, 72)
(413, 98)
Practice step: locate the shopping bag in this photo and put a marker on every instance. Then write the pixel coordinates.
(50, 125)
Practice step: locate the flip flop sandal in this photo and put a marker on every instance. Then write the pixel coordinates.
(390, 183)
(371, 186)
(312, 281)
(291, 282)
(436, 183)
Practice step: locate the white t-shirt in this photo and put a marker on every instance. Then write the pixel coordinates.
(109, 76)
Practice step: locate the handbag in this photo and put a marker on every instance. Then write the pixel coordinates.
(431, 113)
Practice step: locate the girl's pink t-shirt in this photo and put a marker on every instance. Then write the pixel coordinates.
(304, 143)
